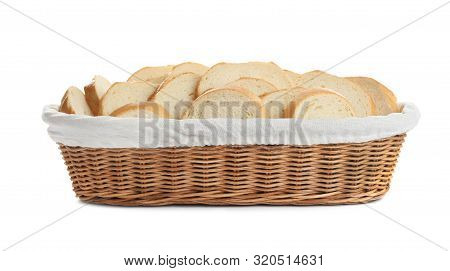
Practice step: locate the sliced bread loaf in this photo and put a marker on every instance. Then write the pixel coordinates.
(177, 93)
(95, 91)
(221, 74)
(141, 110)
(153, 75)
(122, 93)
(384, 99)
(257, 86)
(196, 68)
(74, 102)
(226, 103)
(320, 104)
(359, 98)
(276, 103)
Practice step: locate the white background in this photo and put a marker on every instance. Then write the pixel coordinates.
(37, 65)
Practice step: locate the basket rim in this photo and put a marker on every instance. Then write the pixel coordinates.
(112, 132)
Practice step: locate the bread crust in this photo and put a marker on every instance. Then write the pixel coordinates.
(197, 91)
(91, 94)
(310, 76)
(155, 74)
(293, 107)
(123, 88)
(391, 99)
(196, 68)
(102, 100)
(280, 96)
(168, 81)
(67, 107)
(91, 98)
(281, 78)
(64, 107)
(162, 90)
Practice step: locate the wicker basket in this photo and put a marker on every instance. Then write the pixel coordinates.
(234, 175)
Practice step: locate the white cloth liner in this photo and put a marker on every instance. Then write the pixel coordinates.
(111, 132)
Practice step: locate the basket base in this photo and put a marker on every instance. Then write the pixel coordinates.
(234, 175)
(154, 203)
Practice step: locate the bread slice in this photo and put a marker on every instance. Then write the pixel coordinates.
(320, 104)
(141, 110)
(259, 87)
(177, 93)
(153, 75)
(293, 76)
(384, 99)
(277, 103)
(196, 68)
(221, 74)
(359, 98)
(64, 97)
(95, 91)
(122, 93)
(74, 102)
(226, 103)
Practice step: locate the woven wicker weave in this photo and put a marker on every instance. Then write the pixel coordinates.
(234, 175)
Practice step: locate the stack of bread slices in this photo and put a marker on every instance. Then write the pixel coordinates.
(231, 90)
